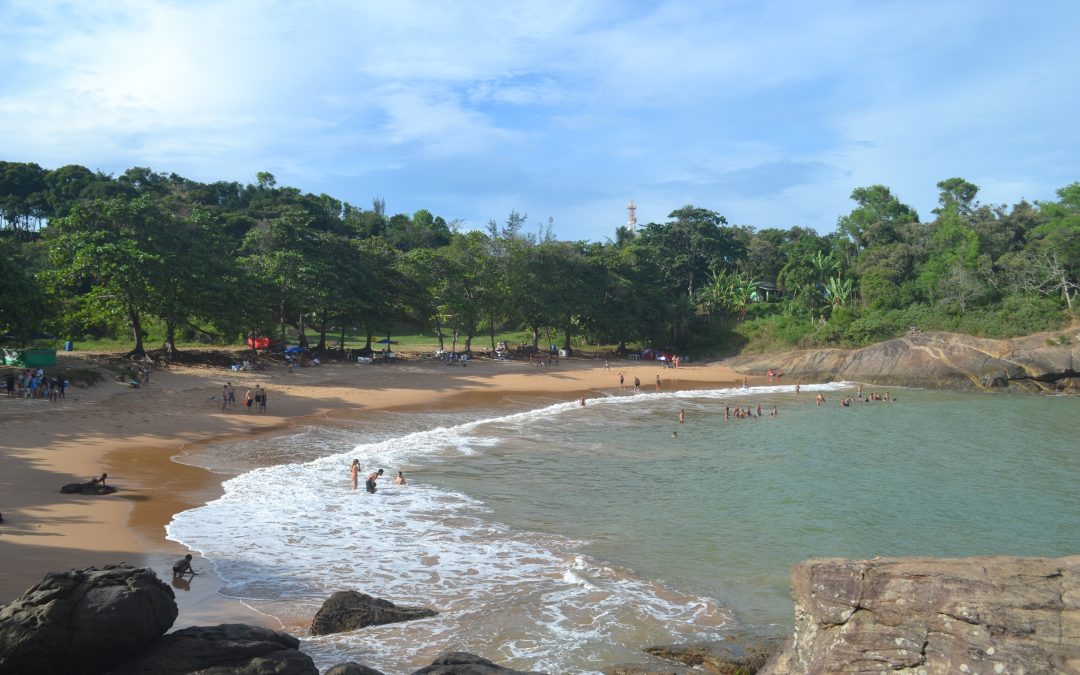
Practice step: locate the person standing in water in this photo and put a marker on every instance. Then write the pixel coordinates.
(682, 416)
(354, 472)
(399, 479)
(658, 382)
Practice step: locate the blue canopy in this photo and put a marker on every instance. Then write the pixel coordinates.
(296, 349)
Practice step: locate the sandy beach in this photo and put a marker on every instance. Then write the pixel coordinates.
(133, 434)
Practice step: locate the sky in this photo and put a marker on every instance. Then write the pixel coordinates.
(768, 112)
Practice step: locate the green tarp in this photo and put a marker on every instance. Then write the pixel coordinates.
(30, 358)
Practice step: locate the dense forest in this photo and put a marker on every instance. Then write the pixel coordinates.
(85, 254)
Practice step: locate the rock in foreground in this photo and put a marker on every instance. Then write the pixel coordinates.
(464, 663)
(84, 621)
(349, 610)
(237, 649)
(933, 615)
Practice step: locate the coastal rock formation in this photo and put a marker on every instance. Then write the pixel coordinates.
(742, 655)
(87, 489)
(464, 663)
(349, 610)
(1043, 362)
(352, 668)
(237, 649)
(84, 621)
(932, 615)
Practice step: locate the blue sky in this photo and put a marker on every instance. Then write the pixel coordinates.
(767, 112)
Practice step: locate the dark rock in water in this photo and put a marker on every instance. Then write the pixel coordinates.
(84, 621)
(464, 663)
(933, 615)
(741, 655)
(87, 489)
(352, 668)
(236, 649)
(349, 610)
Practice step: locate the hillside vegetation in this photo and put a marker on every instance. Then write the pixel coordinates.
(84, 255)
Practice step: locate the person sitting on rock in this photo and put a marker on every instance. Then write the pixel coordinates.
(183, 566)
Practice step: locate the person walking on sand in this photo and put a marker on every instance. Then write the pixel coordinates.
(354, 472)
(230, 392)
(621, 387)
(369, 484)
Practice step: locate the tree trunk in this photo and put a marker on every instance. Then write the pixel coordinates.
(170, 337)
(536, 337)
(492, 332)
(341, 342)
(322, 335)
(301, 337)
(136, 331)
(439, 334)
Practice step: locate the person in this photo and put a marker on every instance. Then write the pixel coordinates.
(354, 472)
(820, 399)
(774, 413)
(620, 381)
(371, 478)
(637, 385)
(658, 383)
(607, 364)
(682, 416)
(797, 388)
(759, 410)
(745, 382)
(224, 397)
(249, 399)
(674, 434)
(230, 393)
(100, 480)
(10, 382)
(399, 479)
(265, 397)
(582, 400)
(183, 566)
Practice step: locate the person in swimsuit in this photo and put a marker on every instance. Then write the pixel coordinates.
(369, 484)
(682, 416)
(399, 479)
(354, 472)
(620, 381)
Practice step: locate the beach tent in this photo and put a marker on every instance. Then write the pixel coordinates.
(386, 341)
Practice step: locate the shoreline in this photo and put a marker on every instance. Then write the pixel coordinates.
(45, 445)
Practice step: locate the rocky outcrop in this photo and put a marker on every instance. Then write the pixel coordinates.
(84, 621)
(349, 610)
(1043, 362)
(352, 668)
(87, 489)
(237, 649)
(463, 663)
(932, 615)
(741, 655)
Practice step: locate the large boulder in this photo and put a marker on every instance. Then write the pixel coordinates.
(464, 663)
(87, 489)
(349, 610)
(84, 621)
(740, 655)
(352, 668)
(228, 649)
(1042, 362)
(932, 615)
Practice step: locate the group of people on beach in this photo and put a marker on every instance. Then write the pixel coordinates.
(34, 384)
(254, 399)
(370, 483)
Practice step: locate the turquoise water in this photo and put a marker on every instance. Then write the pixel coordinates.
(729, 506)
(564, 539)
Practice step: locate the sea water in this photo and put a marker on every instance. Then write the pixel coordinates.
(555, 537)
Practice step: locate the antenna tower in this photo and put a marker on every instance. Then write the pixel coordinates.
(631, 222)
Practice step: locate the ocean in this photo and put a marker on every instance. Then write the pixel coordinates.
(561, 538)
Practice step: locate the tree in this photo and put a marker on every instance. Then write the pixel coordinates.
(877, 217)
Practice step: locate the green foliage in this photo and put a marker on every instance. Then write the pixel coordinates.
(161, 257)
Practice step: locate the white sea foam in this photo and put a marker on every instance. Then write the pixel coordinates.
(297, 532)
